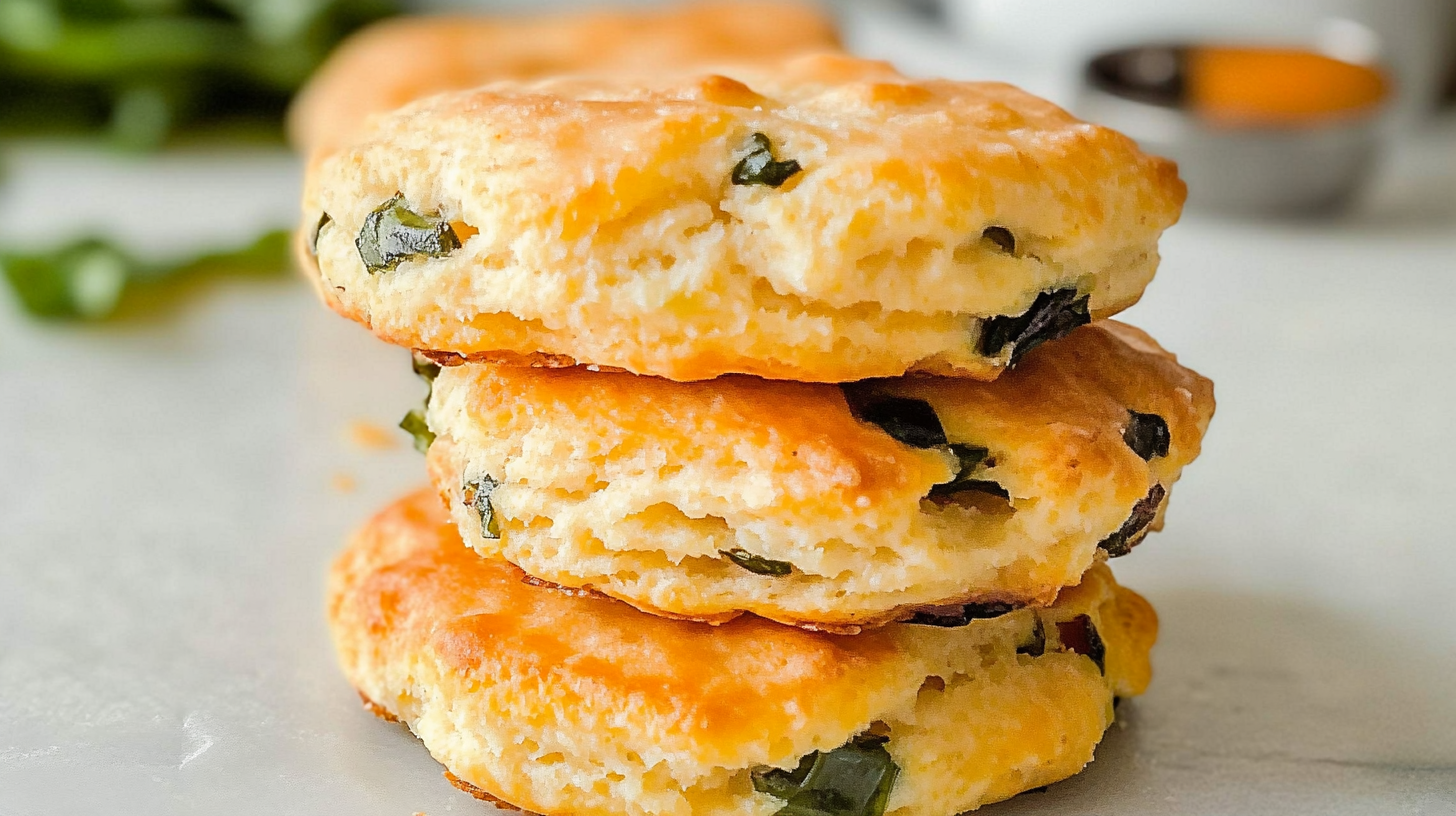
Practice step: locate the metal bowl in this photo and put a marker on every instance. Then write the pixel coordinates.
(1287, 167)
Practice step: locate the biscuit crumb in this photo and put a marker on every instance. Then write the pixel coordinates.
(370, 436)
(343, 482)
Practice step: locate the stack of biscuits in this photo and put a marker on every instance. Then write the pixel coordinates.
(776, 432)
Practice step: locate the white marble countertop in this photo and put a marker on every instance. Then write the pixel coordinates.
(171, 491)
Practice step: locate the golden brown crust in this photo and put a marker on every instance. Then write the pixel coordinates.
(398, 61)
(461, 784)
(638, 487)
(568, 705)
(605, 228)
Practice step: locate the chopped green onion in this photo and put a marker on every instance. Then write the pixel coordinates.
(393, 234)
(969, 458)
(906, 420)
(854, 779)
(414, 424)
(477, 497)
(1052, 315)
(313, 239)
(1129, 534)
(757, 564)
(759, 166)
(1147, 435)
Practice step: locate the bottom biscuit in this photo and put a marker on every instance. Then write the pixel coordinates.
(559, 704)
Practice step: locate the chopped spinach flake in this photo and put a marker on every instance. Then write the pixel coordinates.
(757, 564)
(1002, 238)
(427, 370)
(906, 420)
(854, 779)
(313, 239)
(394, 233)
(1129, 534)
(969, 459)
(1080, 635)
(1147, 435)
(759, 166)
(1052, 315)
(477, 497)
(1035, 645)
(414, 424)
(961, 615)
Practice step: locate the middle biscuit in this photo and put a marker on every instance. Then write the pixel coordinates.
(822, 506)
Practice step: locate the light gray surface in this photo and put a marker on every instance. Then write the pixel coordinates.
(167, 510)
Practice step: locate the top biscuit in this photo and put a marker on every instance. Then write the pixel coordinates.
(406, 58)
(823, 220)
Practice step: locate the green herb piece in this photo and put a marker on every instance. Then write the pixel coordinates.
(961, 615)
(477, 497)
(427, 370)
(1080, 635)
(1001, 237)
(313, 239)
(1035, 645)
(854, 779)
(414, 424)
(1052, 315)
(970, 458)
(759, 166)
(906, 420)
(90, 279)
(1130, 533)
(394, 233)
(757, 564)
(1147, 435)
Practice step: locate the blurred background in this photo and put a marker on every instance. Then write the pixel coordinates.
(1307, 109)
(188, 434)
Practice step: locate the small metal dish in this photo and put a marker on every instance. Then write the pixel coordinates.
(1311, 167)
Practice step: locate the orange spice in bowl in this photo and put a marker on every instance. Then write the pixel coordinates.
(1276, 87)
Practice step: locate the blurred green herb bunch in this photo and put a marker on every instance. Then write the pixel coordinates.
(141, 70)
(138, 73)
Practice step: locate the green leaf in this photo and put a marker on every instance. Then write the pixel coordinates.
(1052, 315)
(1129, 534)
(757, 564)
(88, 279)
(414, 424)
(477, 495)
(854, 779)
(1147, 435)
(759, 167)
(393, 234)
(911, 421)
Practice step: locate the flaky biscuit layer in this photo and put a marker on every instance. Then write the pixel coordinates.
(646, 489)
(600, 221)
(566, 705)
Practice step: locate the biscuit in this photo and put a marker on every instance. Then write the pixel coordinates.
(823, 220)
(408, 58)
(819, 505)
(584, 706)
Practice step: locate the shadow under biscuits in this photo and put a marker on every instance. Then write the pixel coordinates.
(1266, 705)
